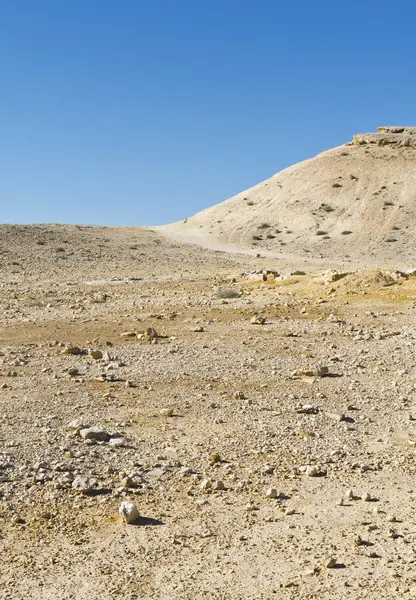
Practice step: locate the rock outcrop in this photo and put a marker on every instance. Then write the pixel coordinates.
(398, 136)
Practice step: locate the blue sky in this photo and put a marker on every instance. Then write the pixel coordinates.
(142, 112)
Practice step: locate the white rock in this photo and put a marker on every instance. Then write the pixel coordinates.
(335, 416)
(83, 484)
(310, 470)
(77, 424)
(117, 442)
(201, 502)
(166, 412)
(129, 512)
(272, 493)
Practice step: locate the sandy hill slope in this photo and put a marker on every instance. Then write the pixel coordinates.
(355, 203)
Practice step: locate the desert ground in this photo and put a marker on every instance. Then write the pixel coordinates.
(257, 407)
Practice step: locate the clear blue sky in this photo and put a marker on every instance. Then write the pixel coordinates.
(140, 112)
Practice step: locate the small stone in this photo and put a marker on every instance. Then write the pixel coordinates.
(391, 519)
(257, 320)
(95, 433)
(349, 495)
(117, 442)
(166, 412)
(206, 484)
(322, 371)
(331, 563)
(186, 472)
(311, 470)
(95, 354)
(335, 416)
(272, 493)
(218, 485)
(151, 333)
(289, 511)
(304, 434)
(303, 373)
(16, 520)
(307, 409)
(201, 502)
(214, 458)
(157, 473)
(332, 276)
(128, 482)
(72, 350)
(366, 497)
(83, 484)
(77, 424)
(359, 541)
(129, 512)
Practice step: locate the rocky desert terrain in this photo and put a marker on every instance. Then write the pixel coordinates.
(256, 407)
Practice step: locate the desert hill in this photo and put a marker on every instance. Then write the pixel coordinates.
(355, 203)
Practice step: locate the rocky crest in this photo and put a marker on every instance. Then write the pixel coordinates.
(395, 136)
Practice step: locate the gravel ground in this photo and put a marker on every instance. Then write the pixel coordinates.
(266, 439)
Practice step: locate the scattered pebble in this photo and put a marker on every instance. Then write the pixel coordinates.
(94, 433)
(129, 512)
(331, 563)
(166, 412)
(258, 320)
(218, 485)
(83, 484)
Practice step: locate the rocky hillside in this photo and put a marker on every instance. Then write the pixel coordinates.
(355, 203)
